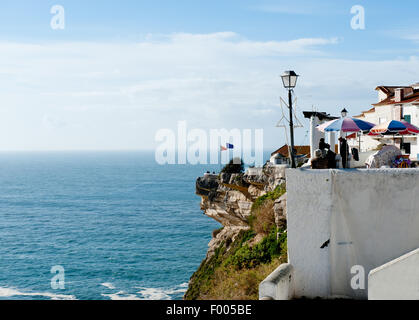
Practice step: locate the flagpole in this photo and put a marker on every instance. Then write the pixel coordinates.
(220, 151)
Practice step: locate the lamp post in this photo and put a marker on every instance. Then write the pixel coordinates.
(289, 79)
(344, 113)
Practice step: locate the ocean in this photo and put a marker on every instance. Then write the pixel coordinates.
(120, 225)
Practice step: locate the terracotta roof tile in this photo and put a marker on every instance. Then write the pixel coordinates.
(301, 150)
(364, 112)
(284, 150)
(390, 91)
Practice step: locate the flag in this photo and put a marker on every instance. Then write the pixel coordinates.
(229, 146)
(223, 148)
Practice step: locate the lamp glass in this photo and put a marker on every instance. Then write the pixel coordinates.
(293, 81)
(286, 81)
(289, 79)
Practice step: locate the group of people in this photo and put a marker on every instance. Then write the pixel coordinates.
(325, 158)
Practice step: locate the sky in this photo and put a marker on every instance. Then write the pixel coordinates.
(120, 71)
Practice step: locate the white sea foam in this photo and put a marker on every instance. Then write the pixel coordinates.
(162, 294)
(154, 294)
(108, 285)
(11, 292)
(146, 293)
(121, 295)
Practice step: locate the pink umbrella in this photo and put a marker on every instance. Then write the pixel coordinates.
(346, 124)
(411, 129)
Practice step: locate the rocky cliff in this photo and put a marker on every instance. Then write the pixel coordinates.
(251, 207)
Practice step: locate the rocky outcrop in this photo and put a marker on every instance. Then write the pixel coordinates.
(280, 211)
(268, 177)
(246, 205)
(228, 199)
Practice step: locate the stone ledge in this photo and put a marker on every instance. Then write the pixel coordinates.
(278, 285)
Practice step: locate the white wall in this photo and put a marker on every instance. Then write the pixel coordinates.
(331, 139)
(413, 111)
(370, 217)
(278, 285)
(414, 153)
(315, 135)
(396, 280)
(309, 198)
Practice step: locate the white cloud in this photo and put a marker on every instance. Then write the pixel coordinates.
(53, 123)
(117, 95)
(412, 37)
(408, 34)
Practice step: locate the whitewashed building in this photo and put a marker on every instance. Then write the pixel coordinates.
(394, 103)
(317, 118)
(350, 234)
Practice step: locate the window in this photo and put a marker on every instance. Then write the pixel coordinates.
(406, 148)
(408, 118)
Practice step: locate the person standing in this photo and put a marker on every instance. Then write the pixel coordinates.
(331, 159)
(344, 151)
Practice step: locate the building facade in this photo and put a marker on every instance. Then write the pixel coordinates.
(317, 118)
(394, 103)
(282, 155)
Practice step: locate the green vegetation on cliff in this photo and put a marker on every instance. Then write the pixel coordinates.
(273, 195)
(250, 257)
(235, 271)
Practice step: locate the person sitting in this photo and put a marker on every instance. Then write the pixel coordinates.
(323, 146)
(328, 154)
(319, 162)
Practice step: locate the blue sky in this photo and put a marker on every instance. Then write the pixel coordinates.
(130, 20)
(120, 71)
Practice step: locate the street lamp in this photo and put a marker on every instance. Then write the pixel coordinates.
(344, 113)
(289, 79)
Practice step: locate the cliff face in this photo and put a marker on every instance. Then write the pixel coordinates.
(230, 199)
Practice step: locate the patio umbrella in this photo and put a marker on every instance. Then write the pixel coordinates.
(347, 124)
(394, 127)
(410, 127)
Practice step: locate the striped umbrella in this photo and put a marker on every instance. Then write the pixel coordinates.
(394, 127)
(347, 124)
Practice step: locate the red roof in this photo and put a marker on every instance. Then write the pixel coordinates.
(390, 91)
(284, 150)
(364, 112)
(351, 136)
(301, 150)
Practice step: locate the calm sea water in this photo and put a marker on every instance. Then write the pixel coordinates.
(120, 225)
